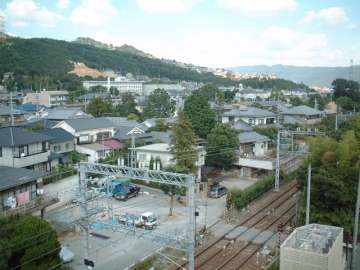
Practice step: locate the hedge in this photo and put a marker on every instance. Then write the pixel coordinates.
(241, 198)
(58, 173)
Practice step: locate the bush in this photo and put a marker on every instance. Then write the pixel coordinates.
(241, 198)
(58, 173)
(145, 264)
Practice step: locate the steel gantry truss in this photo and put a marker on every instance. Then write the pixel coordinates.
(176, 179)
(291, 133)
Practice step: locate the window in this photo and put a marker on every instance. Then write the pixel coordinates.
(261, 121)
(67, 146)
(0, 151)
(57, 148)
(43, 148)
(22, 151)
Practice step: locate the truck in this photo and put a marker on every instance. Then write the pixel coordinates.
(146, 220)
(127, 192)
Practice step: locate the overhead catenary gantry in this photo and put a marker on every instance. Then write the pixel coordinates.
(169, 178)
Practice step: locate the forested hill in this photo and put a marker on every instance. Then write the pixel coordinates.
(49, 57)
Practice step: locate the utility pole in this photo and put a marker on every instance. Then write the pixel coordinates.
(277, 171)
(356, 227)
(11, 130)
(308, 195)
(192, 224)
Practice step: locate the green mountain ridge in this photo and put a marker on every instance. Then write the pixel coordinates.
(50, 57)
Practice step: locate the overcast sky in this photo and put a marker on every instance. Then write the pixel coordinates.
(215, 33)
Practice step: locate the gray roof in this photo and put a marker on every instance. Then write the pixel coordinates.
(240, 125)
(5, 110)
(302, 110)
(66, 113)
(252, 136)
(122, 133)
(89, 123)
(123, 122)
(249, 112)
(90, 96)
(160, 136)
(11, 177)
(59, 135)
(20, 136)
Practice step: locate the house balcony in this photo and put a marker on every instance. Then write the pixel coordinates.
(20, 162)
(257, 162)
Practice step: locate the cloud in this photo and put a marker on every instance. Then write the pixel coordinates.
(93, 13)
(258, 7)
(63, 4)
(23, 12)
(272, 45)
(167, 6)
(331, 16)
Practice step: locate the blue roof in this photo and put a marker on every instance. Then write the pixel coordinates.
(58, 134)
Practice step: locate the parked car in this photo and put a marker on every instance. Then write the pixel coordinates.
(217, 191)
(127, 192)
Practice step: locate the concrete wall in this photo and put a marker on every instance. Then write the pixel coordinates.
(65, 147)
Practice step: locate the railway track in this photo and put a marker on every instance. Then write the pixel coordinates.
(225, 248)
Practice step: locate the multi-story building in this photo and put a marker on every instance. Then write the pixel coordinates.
(21, 148)
(159, 153)
(121, 83)
(47, 98)
(313, 247)
(169, 87)
(254, 157)
(250, 115)
(61, 145)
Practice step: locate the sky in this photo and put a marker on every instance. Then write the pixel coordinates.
(213, 33)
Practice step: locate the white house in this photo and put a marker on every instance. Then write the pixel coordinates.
(161, 152)
(94, 151)
(88, 130)
(250, 115)
(250, 94)
(254, 159)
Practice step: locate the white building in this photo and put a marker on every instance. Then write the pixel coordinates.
(161, 152)
(169, 87)
(93, 151)
(254, 159)
(123, 84)
(47, 98)
(250, 94)
(88, 130)
(313, 247)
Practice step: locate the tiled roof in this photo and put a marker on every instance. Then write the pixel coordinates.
(89, 123)
(12, 177)
(252, 136)
(58, 134)
(20, 136)
(249, 112)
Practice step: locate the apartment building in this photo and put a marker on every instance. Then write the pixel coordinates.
(47, 98)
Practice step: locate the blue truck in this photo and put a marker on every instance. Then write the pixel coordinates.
(123, 189)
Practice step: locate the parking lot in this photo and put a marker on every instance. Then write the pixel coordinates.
(119, 249)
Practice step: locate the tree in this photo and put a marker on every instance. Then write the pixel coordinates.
(18, 237)
(127, 106)
(99, 107)
(160, 125)
(159, 105)
(346, 88)
(183, 143)
(201, 116)
(183, 149)
(210, 92)
(223, 141)
(345, 103)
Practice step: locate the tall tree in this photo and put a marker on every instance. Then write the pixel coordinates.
(183, 149)
(127, 106)
(223, 141)
(201, 116)
(159, 105)
(183, 143)
(19, 248)
(99, 107)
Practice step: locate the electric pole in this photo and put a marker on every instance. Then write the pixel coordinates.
(356, 227)
(277, 171)
(308, 195)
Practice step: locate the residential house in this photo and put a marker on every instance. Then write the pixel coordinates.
(250, 94)
(18, 186)
(21, 191)
(254, 155)
(251, 115)
(88, 130)
(160, 154)
(6, 114)
(21, 148)
(94, 151)
(64, 113)
(48, 98)
(301, 115)
(298, 92)
(61, 145)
